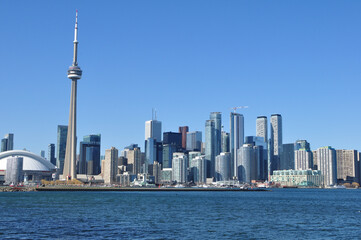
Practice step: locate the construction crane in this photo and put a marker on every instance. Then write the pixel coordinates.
(235, 108)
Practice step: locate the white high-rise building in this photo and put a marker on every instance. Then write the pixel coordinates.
(110, 165)
(326, 162)
(261, 128)
(246, 163)
(223, 166)
(276, 141)
(179, 168)
(303, 159)
(153, 129)
(236, 138)
(199, 169)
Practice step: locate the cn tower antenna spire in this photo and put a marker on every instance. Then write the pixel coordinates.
(75, 57)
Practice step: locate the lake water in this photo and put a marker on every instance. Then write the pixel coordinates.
(279, 214)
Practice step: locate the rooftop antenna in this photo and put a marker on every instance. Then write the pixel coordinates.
(235, 108)
(152, 113)
(155, 114)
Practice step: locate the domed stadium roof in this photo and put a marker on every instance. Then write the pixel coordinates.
(31, 161)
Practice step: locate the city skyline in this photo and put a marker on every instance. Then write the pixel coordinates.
(310, 110)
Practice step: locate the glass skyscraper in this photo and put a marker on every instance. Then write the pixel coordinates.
(210, 147)
(61, 146)
(89, 162)
(51, 153)
(194, 141)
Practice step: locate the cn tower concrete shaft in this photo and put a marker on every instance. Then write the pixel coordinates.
(74, 73)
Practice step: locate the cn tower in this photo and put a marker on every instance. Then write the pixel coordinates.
(74, 73)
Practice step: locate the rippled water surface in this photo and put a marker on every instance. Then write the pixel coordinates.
(279, 214)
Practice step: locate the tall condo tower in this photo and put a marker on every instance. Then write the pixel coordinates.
(276, 141)
(74, 73)
(261, 129)
(236, 138)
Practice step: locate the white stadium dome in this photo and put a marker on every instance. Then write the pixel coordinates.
(31, 161)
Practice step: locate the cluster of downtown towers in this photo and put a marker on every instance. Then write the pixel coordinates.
(222, 156)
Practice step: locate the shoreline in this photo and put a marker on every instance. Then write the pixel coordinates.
(145, 189)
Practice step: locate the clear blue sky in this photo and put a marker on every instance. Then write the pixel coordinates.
(301, 59)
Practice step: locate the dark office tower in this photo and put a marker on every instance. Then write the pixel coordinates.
(210, 147)
(4, 143)
(217, 118)
(90, 155)
(51, 153)
(173, 138)
(276, 141)
(183, 130)
(168, 150)
(7, 143)
(288, 157)
(61, 146)
(225, 142)
(122, 161)
(302, 144)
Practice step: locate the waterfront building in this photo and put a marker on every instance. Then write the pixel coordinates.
(217, 118)
(173, 138)
(89, 155)
(166, 176)
(34, 167)
(157, 172)
(62, 133)
(236, 138)
(295, 178)
(124, 179)
(179, 169)
(51, 153)
(246, 163)
(134, 160)
(261, 157)
(199, 169)
(326, 157)
(74, 73)
(276, 141)
(194, 141)
(261, 127)
(110, 165)
(347, 166)
(302, 144)
(225, 142)
(14, 170)
(184, 130)
(287, 159)
(223, 166)
(303, 159)
(153, 129)
(210, 147)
